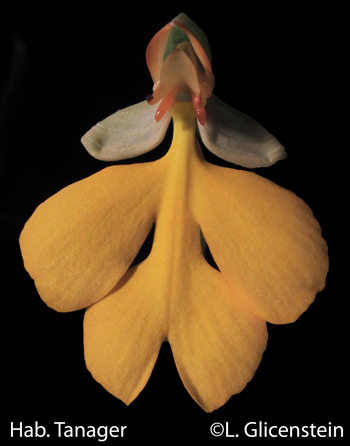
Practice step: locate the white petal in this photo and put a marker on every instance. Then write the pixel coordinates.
(237, 138)
(127, 133)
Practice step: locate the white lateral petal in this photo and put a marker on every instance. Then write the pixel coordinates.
(127, 133)
(237, 138)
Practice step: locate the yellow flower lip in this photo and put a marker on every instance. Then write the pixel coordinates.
(182, 73)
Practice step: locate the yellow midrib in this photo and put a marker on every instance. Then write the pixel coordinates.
(175, 231)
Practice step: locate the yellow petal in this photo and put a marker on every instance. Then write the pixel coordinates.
(264, 239)
(123, 334)
(79, 242)
(216, 341)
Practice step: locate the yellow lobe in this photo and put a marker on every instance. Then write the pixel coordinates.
(80, 242)
(264, 239)
(123, 333)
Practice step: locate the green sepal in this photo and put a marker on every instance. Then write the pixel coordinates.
(176, 36)
(198, 33)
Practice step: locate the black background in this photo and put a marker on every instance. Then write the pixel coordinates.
(75, 64)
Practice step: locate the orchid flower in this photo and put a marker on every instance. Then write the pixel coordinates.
(271, 259)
